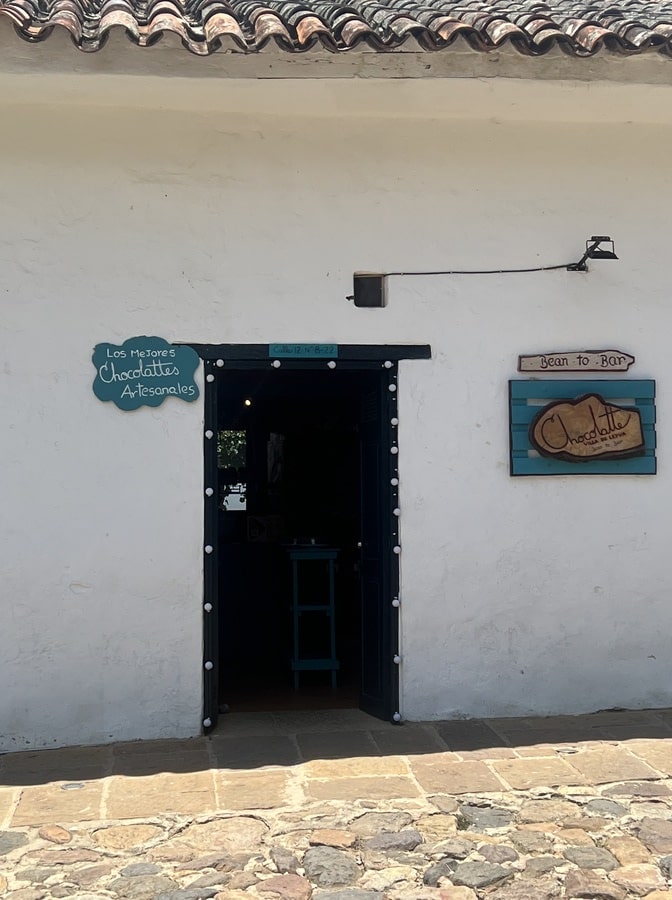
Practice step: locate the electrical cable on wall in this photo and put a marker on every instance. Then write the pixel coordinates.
(369, 287)
(479, 271)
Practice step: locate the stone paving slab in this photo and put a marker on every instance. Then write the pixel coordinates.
(336, 745)
(324, 721)
(251, 753)
(165, 747)
(253, 724)
(51, 760)
(150, 757)
(354, 766)
(45, 803)
(412, 738)
(528, 735)
(435, 775)
(620, 717)
(535, 772)
(531, 750)
(608, 764)
(386, 788)
(68, 764)
(132, 798)
(252, 790)
(469, 735)
(8, 798)
(633, 730)
(657, 753)
(158, 765)
(492, 753)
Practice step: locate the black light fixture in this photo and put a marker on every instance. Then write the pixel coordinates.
(594, 250)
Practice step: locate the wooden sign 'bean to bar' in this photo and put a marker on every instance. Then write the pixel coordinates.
(577, 361)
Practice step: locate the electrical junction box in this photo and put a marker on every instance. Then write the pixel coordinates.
(369, 290)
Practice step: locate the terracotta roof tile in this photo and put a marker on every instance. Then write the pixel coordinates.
(205, 26)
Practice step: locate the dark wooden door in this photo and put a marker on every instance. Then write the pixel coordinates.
(379, 674)
(210, 558)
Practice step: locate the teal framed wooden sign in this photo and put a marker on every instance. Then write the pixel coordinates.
(144, 371)
(596, 427)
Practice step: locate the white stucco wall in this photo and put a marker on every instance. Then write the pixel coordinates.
(518, 595)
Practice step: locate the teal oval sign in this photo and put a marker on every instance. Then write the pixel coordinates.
(143, 371)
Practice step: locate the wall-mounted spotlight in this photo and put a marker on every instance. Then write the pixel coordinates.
(594, 250)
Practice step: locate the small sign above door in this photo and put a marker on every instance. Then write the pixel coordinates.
(143, 371)
(587, 428)
(575, 361)
(303, 351)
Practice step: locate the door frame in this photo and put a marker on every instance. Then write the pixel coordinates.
(218, 357)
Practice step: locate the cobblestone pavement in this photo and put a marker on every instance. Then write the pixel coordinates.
(338, 806)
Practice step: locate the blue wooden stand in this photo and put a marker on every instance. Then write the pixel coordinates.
(310, 553)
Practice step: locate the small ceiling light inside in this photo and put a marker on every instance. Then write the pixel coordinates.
(248, 402)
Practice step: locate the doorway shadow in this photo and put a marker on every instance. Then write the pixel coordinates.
(248, 741)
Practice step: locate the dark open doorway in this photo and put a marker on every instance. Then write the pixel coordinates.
(289, 509)
(301, 531)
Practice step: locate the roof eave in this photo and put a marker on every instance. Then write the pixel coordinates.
(168, 58)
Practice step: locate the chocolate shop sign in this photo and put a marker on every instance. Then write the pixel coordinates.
(587, 428)
(144, 371)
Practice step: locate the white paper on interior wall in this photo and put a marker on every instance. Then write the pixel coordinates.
(577, 361)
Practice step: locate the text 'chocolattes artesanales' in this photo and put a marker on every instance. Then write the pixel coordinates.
(144, 371)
